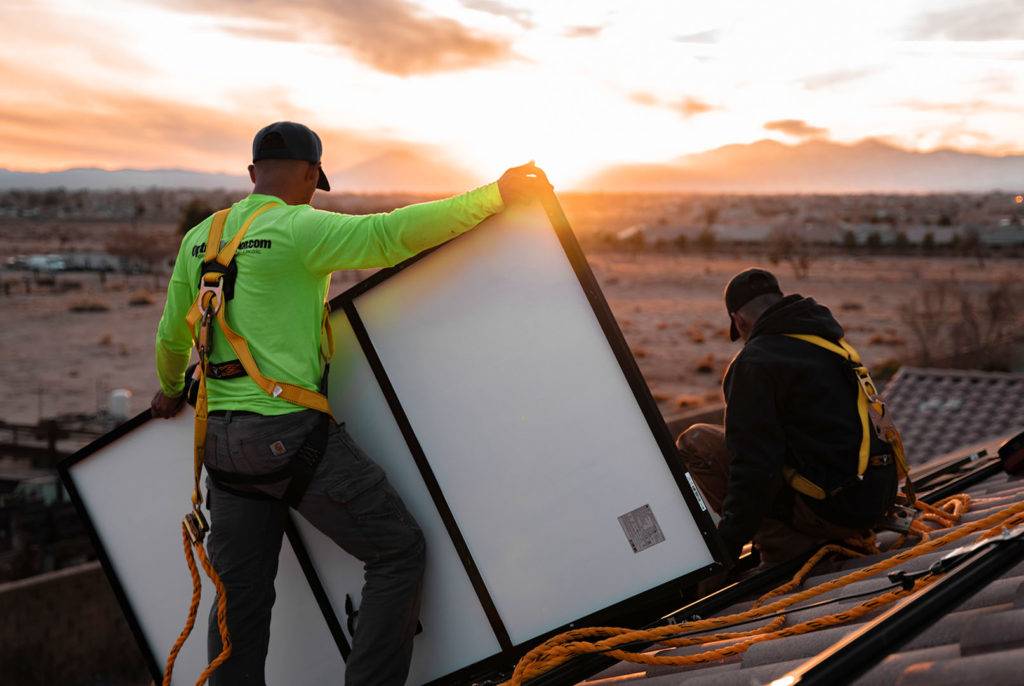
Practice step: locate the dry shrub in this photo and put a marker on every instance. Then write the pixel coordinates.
(688, 400)
(954, 327)
(88, 306)
(659, 397)
(887, 339)
(851, 306)
(786, 244)
(706, 364)
(65, 286)
(661, 326)
(640, 353)
(723, 333)
(140, 299)
(695, 334)
(106, 339)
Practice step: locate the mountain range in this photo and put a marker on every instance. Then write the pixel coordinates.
(765, 166)
(816, 166)
(395, 170)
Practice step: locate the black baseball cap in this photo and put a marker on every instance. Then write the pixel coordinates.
(292, 142)
(743, 288)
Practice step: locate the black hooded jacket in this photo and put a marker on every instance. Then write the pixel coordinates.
(789, 402)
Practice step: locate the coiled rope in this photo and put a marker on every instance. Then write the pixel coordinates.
(561, 648)
(193, 608)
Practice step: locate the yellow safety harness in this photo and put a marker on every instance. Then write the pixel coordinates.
(211, 306)
(872, 411)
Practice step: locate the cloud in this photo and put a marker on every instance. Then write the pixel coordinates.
(59, 122)
(690, 107)
(829, 79)
(703, 37)
(687, 107)
(797, 128)
(392, 36)
(582, 31)
(964, 107)
(977, 21)
(645, 99)
(519, 15)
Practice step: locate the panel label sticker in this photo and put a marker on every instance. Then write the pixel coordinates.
(641, 528)
(696, 492)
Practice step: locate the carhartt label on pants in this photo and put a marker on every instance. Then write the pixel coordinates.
(641, 528)
(277, 447)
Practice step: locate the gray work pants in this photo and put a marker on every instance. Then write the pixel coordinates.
(349, 500)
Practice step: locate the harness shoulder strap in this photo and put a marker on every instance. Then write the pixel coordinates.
(871, 409)
(209, 285)
(216, 231)
(846, 351)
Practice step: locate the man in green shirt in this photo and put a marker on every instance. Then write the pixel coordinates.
(284, 266)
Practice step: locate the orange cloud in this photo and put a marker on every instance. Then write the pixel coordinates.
(69, 124)
(687, 107)
(582, 31)
(797, 128)
(392, 36)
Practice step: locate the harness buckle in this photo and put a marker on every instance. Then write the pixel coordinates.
(899, 518)
(196, 525)
(211, 292)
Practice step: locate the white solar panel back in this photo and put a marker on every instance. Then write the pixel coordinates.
(135, 490)
(491, 383)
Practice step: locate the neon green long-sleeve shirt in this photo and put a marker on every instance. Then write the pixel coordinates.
(284, 268)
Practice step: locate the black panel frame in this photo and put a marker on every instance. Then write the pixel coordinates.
(658, 599)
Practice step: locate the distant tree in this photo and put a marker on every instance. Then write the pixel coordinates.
(901, 242)
(193, 213)
(873, 241)
(707, 239)
(970, 245)
(787, 244)
(133, 247)
(681, 242)
(849, 239)
(928, 242)
(710, 216)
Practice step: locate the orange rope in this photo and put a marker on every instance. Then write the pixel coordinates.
(193, 608)
(564, 647)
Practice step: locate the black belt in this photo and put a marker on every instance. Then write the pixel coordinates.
(233, 413)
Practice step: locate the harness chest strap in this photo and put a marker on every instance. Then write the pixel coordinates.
(872, 412)
(278, 389)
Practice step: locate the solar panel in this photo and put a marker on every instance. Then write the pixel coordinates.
(490, 381)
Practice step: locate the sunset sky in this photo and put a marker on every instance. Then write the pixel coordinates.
(490, 83)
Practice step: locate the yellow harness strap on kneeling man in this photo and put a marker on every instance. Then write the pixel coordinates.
(872, 411)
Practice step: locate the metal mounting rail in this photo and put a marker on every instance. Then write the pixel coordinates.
(923, 477)
(989, 467)
(864, 648)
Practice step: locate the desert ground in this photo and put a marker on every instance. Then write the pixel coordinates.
(67, 344)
